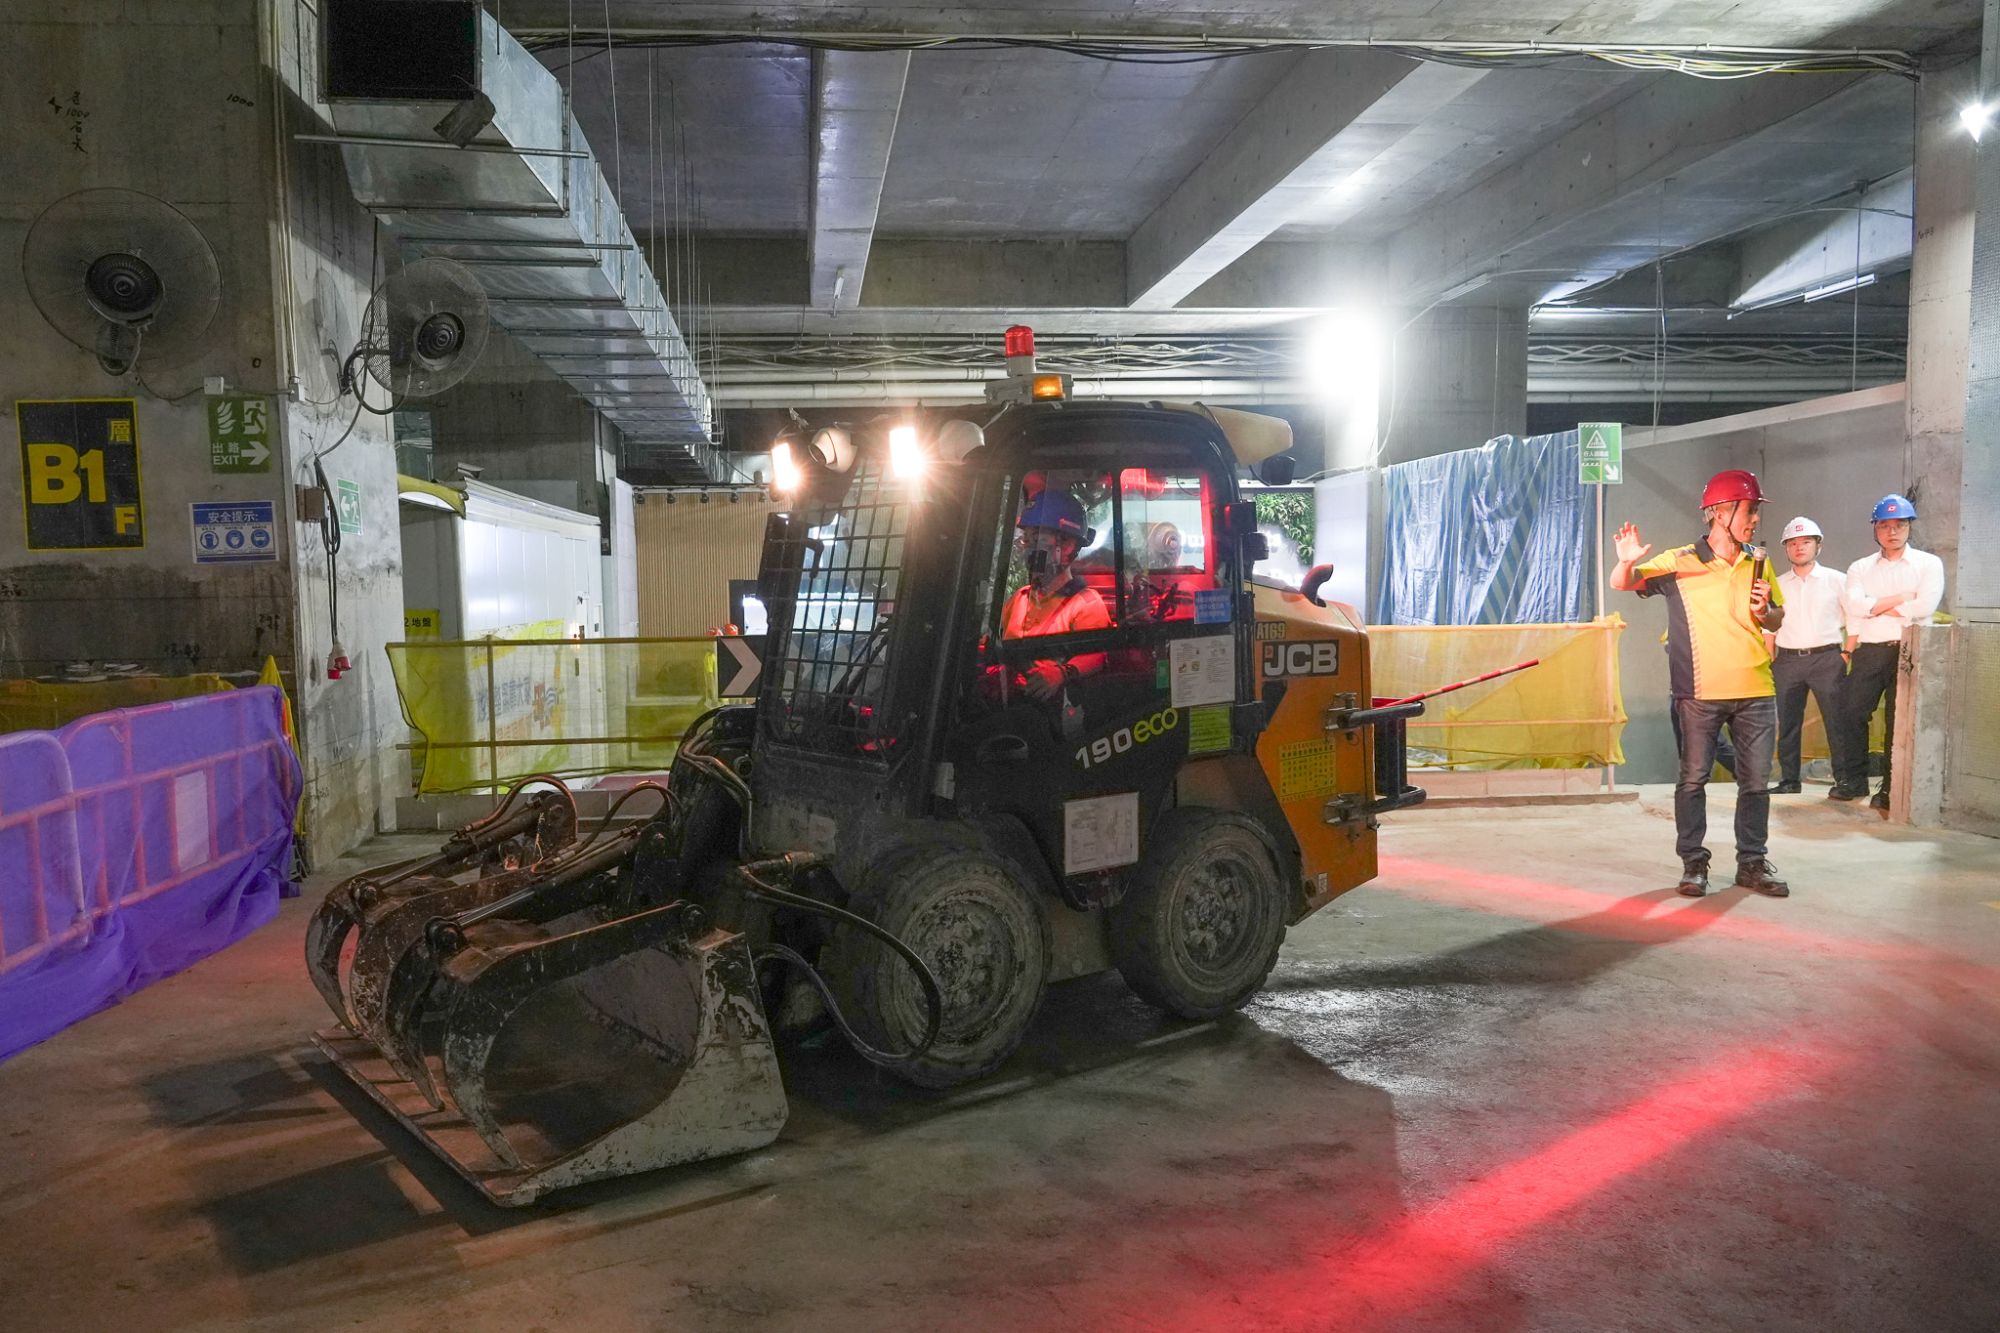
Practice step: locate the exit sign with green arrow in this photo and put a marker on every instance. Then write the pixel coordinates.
(239, 433)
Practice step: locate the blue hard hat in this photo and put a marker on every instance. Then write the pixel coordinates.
(1058, 510)
(1893, 506)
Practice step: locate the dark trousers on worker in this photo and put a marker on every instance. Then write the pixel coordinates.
(1797, 671)
(1723, 754)
(1870, 679)
(1753, 727)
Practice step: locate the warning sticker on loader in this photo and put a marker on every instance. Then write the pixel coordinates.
(1100, 832)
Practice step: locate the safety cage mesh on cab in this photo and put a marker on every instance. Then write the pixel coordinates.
(830, 647)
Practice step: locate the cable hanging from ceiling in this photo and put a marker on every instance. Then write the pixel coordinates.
(1701, 61)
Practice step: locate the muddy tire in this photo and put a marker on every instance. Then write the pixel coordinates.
(981, 928)
(1199, 929)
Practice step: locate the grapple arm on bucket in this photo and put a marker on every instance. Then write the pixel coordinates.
(542, 826)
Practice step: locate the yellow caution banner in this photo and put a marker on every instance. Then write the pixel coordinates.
(1568, 712)
(488, 711)
(34, 705)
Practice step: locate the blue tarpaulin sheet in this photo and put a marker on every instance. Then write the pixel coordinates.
(1498, 535)
(134, 843)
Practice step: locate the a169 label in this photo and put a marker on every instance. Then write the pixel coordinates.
(1118, 742)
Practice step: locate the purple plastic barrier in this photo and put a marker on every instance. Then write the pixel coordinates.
(152, 837)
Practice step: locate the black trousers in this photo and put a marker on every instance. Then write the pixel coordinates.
(1823, 674)
(1870, 679)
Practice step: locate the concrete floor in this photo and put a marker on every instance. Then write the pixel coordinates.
(1514, 1084)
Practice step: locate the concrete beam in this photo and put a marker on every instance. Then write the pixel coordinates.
(1325, 121)
(1003, 276)
(857, 97)
(1837, 242)
(1678, 163)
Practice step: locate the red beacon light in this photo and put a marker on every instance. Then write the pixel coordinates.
(1022, 384)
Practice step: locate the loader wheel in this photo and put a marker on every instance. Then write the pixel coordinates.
(981, 929)
(1199, 929)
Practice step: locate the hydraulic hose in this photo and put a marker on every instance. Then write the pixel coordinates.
(933, 995)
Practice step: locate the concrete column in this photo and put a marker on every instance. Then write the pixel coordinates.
(1459, 377)
(1973, 745)
(1947, 171)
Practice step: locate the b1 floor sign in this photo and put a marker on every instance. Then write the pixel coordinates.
(80, 474)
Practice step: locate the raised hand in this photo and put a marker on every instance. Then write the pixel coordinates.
(1630, 549)
(1760, 598)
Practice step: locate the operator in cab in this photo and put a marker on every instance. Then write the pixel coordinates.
(1055, 599)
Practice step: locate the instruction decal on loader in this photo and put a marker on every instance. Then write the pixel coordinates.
(1100, 832)
(80, 474)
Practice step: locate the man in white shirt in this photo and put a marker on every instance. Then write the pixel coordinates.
(1898, 587)
(1808, 651)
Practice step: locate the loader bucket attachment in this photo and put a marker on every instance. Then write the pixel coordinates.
(583, 1050)
(506, 839)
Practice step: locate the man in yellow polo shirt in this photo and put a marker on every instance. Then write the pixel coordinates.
(1721, 600)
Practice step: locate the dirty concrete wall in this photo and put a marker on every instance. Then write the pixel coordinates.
(330, 258)
(87, 91)
(1830, 459)
(526, 430)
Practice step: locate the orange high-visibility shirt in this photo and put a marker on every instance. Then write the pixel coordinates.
(1073, 607)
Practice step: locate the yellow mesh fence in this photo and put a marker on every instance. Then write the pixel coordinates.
(34, 705)
(1566, 713)
(488, 711)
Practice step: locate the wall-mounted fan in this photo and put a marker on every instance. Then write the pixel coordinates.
(424, 329)
(124, 275)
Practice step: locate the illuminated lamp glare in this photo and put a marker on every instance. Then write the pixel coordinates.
(1047, 386)
(1975, 117)
(785, 469)
(1344, 358)
(906, 456)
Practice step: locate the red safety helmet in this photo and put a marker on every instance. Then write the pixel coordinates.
(1734, 484)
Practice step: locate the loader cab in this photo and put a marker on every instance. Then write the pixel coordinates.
(892, 690)
(1087, 769)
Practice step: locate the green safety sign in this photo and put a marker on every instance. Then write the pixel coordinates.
(239, 433)
(1601, 452)
(347, 504)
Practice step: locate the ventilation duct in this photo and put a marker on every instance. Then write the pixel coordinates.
(502, 181)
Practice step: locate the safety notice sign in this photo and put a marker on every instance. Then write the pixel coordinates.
(1600, 452)
(80, 474)
(236, 532)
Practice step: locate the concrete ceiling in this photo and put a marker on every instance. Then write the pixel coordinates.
(1036, 143)
(950, 191)
(714, 137)
(1903, 24)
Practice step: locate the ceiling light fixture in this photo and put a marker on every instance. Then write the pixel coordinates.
(1824, 290)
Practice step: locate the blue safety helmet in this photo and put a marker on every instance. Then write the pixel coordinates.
(1056, 510)
(1893, 506)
